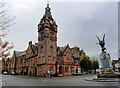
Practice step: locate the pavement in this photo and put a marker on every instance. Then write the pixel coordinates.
(17, 80)
(95, 79)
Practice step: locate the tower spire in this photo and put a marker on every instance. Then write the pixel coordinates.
(47, 10)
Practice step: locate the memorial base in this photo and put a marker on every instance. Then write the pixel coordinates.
(107, 73)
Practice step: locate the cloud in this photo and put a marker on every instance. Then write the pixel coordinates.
(81, 25)
(78, 24)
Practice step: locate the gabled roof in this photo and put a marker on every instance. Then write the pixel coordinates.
(19, 53)
(82, 52)
(73, 48)
(34, 48)
(62, 49)
(23, 53)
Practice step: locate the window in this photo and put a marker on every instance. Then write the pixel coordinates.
(43, 60)
(51, 68)
(45, 36)
(50, 38)
(41, 49)
(48, 58)
(66, 69)
(42, 38)
(68, 58)
(20, 60)
(51, 48)
(53, 59)
(38, 38)
(55, 38)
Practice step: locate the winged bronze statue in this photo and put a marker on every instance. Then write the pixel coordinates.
(102, 43)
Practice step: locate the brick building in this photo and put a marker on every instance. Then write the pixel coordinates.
(45, 57)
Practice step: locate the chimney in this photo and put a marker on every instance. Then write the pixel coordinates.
(36, 44)
(30, 42)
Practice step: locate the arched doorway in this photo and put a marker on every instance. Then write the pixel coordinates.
(35, 71)
(60, 69)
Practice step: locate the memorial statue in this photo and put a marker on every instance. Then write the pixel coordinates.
(102, 43)
(105, 64)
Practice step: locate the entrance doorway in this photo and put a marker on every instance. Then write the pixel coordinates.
(60, 69)
(35, 71)
(26, 71)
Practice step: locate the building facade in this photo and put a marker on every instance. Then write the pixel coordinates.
(45, 58)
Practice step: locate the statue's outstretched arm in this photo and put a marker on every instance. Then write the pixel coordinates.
(98, 38)
(104, 37)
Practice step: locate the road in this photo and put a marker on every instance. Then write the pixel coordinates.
(17, 80)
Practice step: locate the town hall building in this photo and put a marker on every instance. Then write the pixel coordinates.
(45, 58)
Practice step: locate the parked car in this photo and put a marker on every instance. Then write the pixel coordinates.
(13, 73)
(5, 73)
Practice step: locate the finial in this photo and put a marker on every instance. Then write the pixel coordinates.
(48, 8)
(47, 4)
(48, 1)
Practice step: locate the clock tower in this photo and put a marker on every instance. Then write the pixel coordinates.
(47, 44)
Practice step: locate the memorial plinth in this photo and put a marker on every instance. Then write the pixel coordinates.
(105, 60)
(105, 66)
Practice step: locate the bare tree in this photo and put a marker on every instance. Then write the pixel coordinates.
(5, 22)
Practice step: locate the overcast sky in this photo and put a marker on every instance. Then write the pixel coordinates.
(78, 24)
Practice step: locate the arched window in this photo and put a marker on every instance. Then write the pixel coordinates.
(41, 49)
(49, 58)
(51, 48)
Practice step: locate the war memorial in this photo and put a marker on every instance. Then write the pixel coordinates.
(105, 64)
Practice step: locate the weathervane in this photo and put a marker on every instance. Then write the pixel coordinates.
(102, 43)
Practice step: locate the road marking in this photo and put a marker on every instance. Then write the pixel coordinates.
(46, 80)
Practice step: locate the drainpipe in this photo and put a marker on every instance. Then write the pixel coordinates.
(15, 63)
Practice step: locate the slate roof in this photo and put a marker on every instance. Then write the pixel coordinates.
(23, 53)
(19, 53)
(62, 49)
(34, 48)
